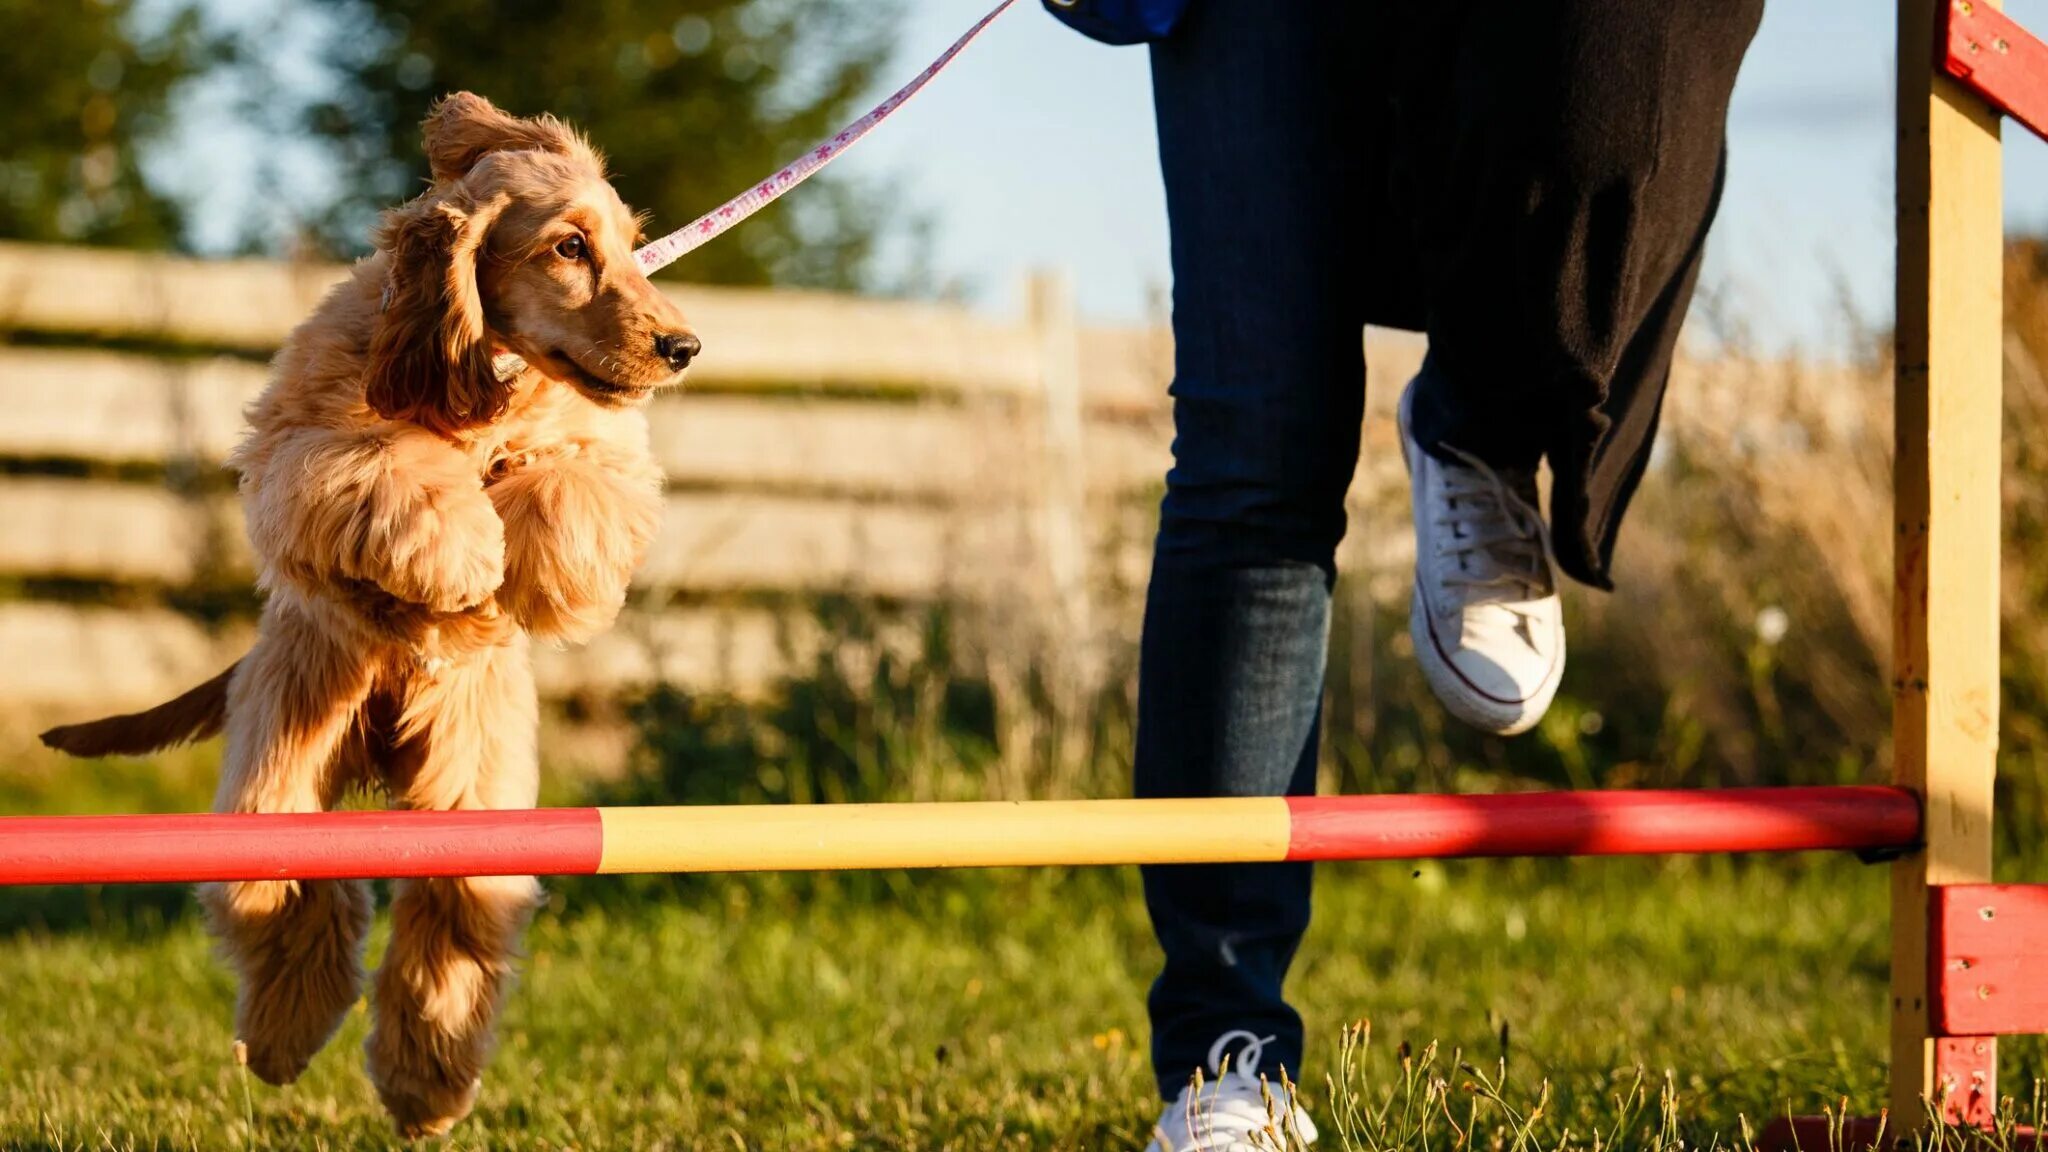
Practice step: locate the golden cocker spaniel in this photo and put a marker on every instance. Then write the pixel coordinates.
(450, 459)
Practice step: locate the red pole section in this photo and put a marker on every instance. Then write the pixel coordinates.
(1646, 823)
(318, 846)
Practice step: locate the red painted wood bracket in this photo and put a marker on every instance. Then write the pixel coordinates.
(1966, 1068)
(1993, 56)
(1988, 946)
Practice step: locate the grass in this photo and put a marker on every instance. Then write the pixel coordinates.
(1514, 1006)
(1004, 1010)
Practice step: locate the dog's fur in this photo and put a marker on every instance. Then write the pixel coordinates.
(419, 515)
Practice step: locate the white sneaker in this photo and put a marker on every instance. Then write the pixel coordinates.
(1236, 1111)
(1488, 629)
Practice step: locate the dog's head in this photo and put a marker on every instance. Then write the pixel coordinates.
(520, 245)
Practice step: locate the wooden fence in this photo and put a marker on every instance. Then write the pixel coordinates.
(897, 451)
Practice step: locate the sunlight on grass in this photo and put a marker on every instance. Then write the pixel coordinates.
(1005, 1010)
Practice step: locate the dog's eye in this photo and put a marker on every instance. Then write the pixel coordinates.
(570, 249)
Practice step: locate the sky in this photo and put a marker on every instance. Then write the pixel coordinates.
(1036, 150)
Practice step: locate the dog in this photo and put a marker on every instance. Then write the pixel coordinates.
(449, 461)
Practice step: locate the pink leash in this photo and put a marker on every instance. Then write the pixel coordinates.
(661, 253)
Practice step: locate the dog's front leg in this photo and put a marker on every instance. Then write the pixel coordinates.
(397, 507)
(578, 521)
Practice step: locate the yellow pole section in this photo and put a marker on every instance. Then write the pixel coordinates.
(1945, 550)
(750, 838)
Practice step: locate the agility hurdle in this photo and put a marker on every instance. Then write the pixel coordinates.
(1967, 955)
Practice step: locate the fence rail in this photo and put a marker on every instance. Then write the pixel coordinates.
(753, 336)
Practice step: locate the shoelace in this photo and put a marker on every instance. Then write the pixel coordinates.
(1515, 557)
(1232, 1112)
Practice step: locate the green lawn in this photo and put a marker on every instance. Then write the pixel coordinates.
(1663, 1001)
(1005, 1011)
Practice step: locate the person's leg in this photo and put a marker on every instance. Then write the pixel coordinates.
(1259, 147)
(1565, 168)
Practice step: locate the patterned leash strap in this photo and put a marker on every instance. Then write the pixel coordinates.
(661, 253)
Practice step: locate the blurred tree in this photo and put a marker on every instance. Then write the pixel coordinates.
(87, 86)
(691, 101)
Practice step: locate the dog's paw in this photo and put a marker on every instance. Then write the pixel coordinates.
(426, 1107)
(574, 534)
(273, 1063)
(450, 556)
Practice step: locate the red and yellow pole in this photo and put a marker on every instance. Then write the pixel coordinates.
(786, 838)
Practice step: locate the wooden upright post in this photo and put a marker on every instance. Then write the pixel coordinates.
(1945, 558)
(1063, 497)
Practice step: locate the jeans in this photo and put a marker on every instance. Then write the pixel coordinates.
(1536, 195)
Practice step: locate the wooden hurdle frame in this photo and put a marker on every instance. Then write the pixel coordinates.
(1966, 954)
(1960, 63)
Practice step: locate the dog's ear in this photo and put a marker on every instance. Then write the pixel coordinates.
(463, 127)
(430, 354)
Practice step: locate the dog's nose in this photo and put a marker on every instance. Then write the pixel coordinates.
(677, 348)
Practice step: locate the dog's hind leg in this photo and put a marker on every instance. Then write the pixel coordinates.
(297, 945)
(467, 740)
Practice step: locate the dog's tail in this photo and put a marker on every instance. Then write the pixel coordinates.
(196, 715)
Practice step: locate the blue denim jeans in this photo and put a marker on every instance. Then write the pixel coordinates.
(1532, 185)
(1268, 394)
